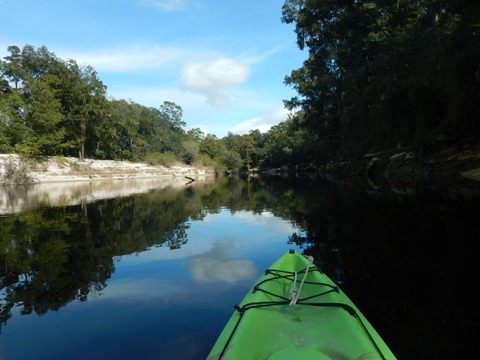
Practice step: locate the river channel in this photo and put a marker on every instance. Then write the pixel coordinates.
(151, 269)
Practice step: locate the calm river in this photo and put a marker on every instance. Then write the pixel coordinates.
(151, 269)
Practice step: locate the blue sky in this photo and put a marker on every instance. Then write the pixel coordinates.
(222, 61)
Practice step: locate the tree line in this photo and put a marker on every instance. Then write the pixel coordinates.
(55, 107)
(379, 75)
(386, 74)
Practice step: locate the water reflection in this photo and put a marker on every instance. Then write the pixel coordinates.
(22, 198)
(52, 256)
(219, 265)
(147, 276)
(160, 270)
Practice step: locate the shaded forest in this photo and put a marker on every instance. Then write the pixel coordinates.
(384, 73)
(381, 77)
(384, 77)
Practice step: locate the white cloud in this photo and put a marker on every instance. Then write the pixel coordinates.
(271, 117)
(168, 5)
(212, 78)
(217, 265)
(133, 289)
(130, 58)
(257, 123)
(221, 73)
(254, 57)
(268, 221)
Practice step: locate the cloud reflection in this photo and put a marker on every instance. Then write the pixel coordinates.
(217, 265)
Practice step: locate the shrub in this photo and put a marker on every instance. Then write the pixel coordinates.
(16, 172)
(206, 161)
(166, 159)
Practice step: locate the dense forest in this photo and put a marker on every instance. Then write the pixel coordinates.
(386, 74)
(380, 76)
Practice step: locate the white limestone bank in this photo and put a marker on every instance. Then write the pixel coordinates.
(61, 169)
(68, 181)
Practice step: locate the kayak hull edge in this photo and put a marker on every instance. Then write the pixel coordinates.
(323, 323)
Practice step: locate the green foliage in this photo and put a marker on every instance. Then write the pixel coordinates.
(172, 113)
(288, 144)
(195, 134)
(231, 160)
(49, 106)
(166, 159)
(212, 146)
(385, 74)
(191, 151)
(203, 160)
(44, 117)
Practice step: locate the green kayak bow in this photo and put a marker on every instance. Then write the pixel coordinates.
(295, 311)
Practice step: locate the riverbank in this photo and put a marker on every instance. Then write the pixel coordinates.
(66, 181)
(67, 169)
(450, 168)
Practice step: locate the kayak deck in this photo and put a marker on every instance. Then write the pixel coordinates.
(294, 311)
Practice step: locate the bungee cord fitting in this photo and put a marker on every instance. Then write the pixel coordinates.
(295, 294)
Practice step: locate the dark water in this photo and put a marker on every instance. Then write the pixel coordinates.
(156, 275)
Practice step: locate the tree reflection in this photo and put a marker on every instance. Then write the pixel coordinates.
(53, 256)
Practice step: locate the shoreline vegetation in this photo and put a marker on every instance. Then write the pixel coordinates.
(452, 171)
(457, 163)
